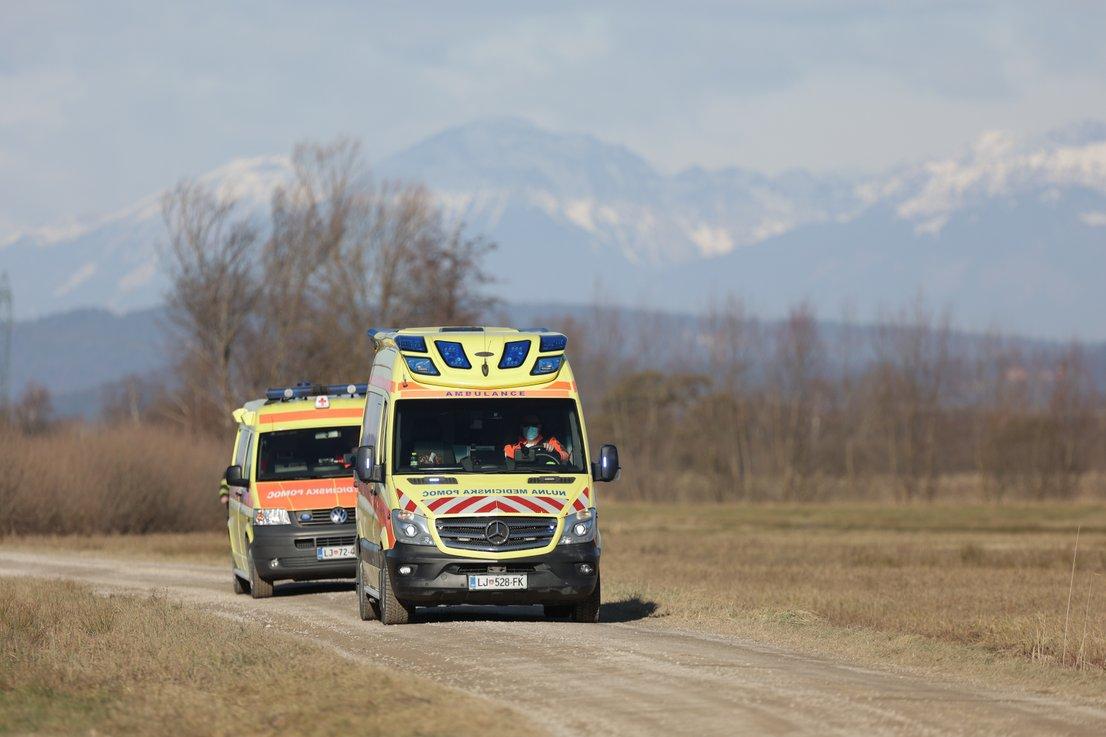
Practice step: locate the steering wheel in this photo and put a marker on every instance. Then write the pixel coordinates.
(546, 458)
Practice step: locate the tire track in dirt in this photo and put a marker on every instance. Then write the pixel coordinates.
(605, 679)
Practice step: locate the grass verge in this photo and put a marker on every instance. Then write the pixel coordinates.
(975, 590)
(72, 661)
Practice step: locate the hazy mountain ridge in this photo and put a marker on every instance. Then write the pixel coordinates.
(1009, 231)
(79, 354)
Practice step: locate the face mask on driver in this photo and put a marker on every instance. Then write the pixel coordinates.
(530, 432)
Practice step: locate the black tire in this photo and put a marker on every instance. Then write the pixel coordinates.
(259, 588)
(365, 608)
(392, 610)
(587, 611)
(558, 611)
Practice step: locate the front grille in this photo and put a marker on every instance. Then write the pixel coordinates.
(469, 533)
(310, 543)
(467, 568)
(322, 516)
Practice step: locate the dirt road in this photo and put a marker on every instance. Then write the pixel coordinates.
(621, 677)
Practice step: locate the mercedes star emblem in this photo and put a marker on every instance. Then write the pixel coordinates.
(497, 532)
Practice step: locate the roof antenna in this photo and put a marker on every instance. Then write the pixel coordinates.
(485, 354)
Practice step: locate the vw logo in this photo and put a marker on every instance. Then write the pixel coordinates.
(338, 516)
(497, 532)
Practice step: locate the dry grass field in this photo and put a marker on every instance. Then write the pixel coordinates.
(75, 662)
(981, 591)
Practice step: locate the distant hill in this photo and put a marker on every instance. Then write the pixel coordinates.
(74, 354)
(78, 354)
(1008, 232)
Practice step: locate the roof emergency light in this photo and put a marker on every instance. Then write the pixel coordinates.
(453, 354)
(547, 365)
(305, 389)
(421, 365)
(514, 354)
(553, 342)
(412, 343)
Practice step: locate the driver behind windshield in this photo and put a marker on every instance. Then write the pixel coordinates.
(530, 437)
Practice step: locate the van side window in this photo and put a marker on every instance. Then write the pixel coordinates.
(242, 448)
(374, 409)
(382, 448)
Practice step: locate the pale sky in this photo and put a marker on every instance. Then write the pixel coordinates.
(102, 103)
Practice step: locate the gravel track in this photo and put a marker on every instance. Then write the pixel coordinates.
(615, 678)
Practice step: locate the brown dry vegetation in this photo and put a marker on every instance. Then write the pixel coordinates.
(85, 479)
(76, 662)
(963, 585)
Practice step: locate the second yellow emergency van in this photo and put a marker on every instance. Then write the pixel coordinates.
(292, 510)
(474, 477)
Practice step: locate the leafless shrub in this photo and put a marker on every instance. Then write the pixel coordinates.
(124, 479)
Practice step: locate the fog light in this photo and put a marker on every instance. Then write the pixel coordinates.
(404, 570)
(274, 563)
(580, 529)
(410, 530)
(586, 568)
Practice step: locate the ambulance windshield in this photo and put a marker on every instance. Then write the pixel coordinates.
(313, 453)
(488, 436)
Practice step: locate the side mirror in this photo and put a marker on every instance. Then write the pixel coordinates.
(234, 477)
(364, 465)
(607, 468)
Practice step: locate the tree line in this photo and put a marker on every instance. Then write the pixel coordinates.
(722, 406)
(731, 407)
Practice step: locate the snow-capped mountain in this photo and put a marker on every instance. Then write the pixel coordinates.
(1009, 232)
(112, 261)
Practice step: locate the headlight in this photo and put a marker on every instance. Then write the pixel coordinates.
(411, 528)
(579, 527)
(271, 517)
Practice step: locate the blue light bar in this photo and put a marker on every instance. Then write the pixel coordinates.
(296, 391)
(304, 389)
(514, 354)
(453, 354)
(421, 365)
(554, 342)
(547, 365)
(336, 390)
(412, 343)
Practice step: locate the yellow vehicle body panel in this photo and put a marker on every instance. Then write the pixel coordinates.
(257, 418)
(524, 494)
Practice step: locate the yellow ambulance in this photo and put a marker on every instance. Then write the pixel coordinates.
(474, 479)
(291, 509)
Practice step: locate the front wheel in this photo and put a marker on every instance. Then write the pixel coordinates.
(392, 610)
(259, 588)
(365, 608)
(587, 611)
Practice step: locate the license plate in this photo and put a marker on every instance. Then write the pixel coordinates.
(336, 552)
(480, 582)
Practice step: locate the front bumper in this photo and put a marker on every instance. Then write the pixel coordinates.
(438, 578)
(293, 549)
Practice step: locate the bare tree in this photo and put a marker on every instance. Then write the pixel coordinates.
(213, 287)
(914, 374)
(345, 254)
(33, 410)
(796, 382)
